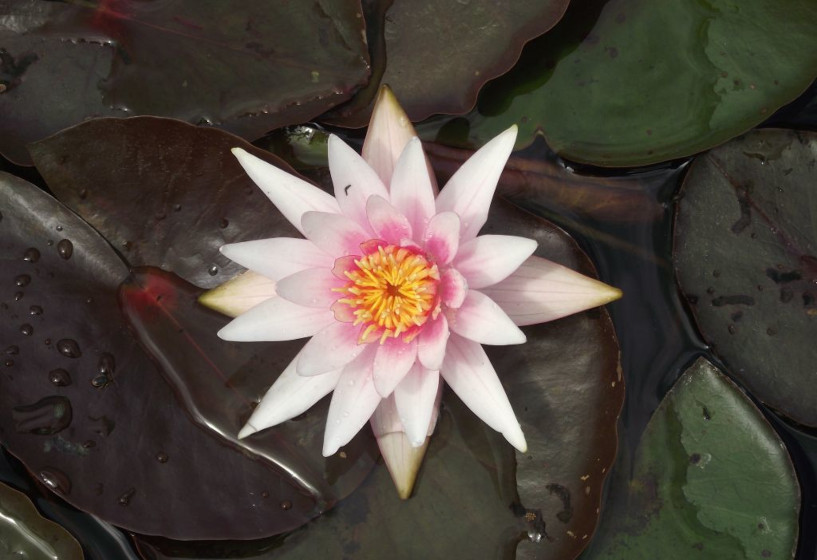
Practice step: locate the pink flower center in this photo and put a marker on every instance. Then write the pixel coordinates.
(391, 292)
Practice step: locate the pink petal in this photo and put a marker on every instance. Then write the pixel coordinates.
(353, 403)
(387, 223)
(291, 195)
(415, 400)
(354, 180)
(311, 287)
(432, 341)
(289, 396)
(453, 288)
(392, 362)
(480, 319)
(277, 257)
(442, 237)
(487, 259)
(239, 294)
(276, 319)
(541, 290)
(332, 348)
(468, 371)
(412, 191)
(471, 188)
(335, 234)
(389, 131)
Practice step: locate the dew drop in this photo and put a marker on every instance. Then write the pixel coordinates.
(18, 296)
(65, 249)
(68, 348)
(89, 444)
(125, 498)
(9, 362)
(106, 364)
(286, 505)
(346, 414)
(27, 329)
(22, 281)
(162, 457)
(58, 228)
(56, 480)
(177, 207)
(31, 255)
(59, 377)
(35, 310)
(12, 350)
(47, 416)
(101, 381)
(224, 223)
(83, 194)
(265, 494)
(213, 270)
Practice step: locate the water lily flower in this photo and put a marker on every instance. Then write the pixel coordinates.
(394, 288)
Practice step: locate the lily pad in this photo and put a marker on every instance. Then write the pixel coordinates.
(248, 67)
(91, 416)
(470, 42)
(711, 480)
(746, 259)
(643, 83)
(24, 533)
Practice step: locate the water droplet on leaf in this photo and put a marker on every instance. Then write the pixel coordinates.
(65, 249)
(68, 348)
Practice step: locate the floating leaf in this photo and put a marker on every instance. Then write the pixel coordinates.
(246, 67)
(645, 83)
(470, 42)
(746, 259)
(710, 479)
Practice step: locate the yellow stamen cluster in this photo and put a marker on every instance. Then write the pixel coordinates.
(391, 291)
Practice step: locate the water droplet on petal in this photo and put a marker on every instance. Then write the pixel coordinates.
(65, 249)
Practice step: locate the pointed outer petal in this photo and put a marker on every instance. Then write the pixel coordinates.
(392, 362)
(453, 288)
(389, 224)
(431, 342)
(289, 396)
(411, 189)
(354, 180)
(291, 195)
(389, 131)
(480, 319)
(442, 237)
(488, 259)
(276, 319)
(470, 190)
(278, 257)
(354, 401)
(415, 398)
(343, 265)
(541, 290)
(332, 348)
(469, 373)
(335, 234)
(240, 294)
(311, 287)
(402, 459)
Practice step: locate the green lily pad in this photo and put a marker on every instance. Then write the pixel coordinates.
(247, 67)
(24, 533)
(710, 480)
(648, 82)
(469, 42)
(746, 259)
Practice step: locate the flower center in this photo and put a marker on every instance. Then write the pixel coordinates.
(391, 292)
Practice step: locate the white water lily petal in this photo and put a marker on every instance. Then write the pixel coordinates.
(442, 237)
(471, 188)
(335, 234)
(353, 402)
(480, 319)
(311, 287)
(432, 341)
(392, 362)
(276, 319)
(414, 398)
(387, 223)
(289, 396)
(541, 291)
(488, 259)
(331, 348)
(411, 188)
(240, 294)
(278, 257)
(469, 373)
(354, 180)
(389, 131)
(291, 195)
(453, 288)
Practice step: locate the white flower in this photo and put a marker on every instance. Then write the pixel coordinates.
(394, 287)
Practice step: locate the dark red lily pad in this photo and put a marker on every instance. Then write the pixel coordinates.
(746, 259)
(246, 67)
(90, 414)
(469, 42)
